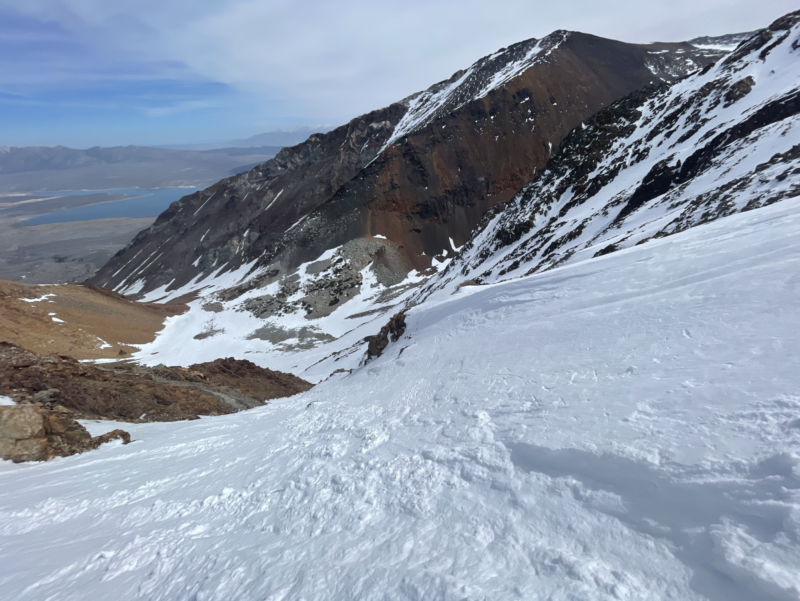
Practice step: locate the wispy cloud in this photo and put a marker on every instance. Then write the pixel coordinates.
(245, 64)
(183, 106)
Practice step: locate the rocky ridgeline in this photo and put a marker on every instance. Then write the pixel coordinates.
(51, 392)
(420, 172)
(661, 160)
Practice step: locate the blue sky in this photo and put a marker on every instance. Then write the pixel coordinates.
(107, 72)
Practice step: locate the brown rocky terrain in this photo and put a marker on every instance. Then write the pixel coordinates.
(31, 433)
(52, 391)
(126, 392)
(419, 172)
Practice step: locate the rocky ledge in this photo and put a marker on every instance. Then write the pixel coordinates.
(52, 391)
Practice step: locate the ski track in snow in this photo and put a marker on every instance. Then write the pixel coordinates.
(623, 428)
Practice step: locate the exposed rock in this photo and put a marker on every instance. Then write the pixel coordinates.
(52, 391)
(31, 433)
(133, 393)
(307, 337)
(241, 375)
(208, 333)
(739, 90)
(391, 331)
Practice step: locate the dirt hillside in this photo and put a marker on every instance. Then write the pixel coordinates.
(84, 322)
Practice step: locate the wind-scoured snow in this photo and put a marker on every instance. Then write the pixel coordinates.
(626, 427)
(653, 164)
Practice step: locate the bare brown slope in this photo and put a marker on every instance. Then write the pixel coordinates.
(428, 187)
(87, 318)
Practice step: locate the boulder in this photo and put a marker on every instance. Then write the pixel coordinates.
(391, 331)
(31, 433)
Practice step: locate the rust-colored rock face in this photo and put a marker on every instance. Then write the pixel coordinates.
(438, 183)
(420, 172)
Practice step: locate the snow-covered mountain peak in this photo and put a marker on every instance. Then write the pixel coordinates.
(293, 264)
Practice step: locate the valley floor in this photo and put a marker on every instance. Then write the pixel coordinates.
(56, 253)
(623, 428)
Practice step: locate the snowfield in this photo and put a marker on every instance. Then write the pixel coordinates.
(623, 428)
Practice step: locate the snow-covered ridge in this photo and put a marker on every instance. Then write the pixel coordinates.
(493, 71)
(726, 43)
(487, 74)
(656, 163)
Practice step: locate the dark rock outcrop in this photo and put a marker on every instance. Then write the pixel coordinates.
(391, 331)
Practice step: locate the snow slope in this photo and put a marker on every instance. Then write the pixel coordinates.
(626, 427)
(286, 340)
(657, 162)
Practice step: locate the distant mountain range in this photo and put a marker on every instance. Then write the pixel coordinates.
(35, 168)
(279, 137)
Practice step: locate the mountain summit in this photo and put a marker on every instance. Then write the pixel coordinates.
(658, 162)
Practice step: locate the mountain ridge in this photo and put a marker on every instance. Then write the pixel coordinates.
(335, 185)
(655, 163)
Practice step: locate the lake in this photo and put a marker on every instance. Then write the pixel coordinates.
(141, 203)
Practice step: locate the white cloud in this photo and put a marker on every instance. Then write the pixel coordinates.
(332, 61)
